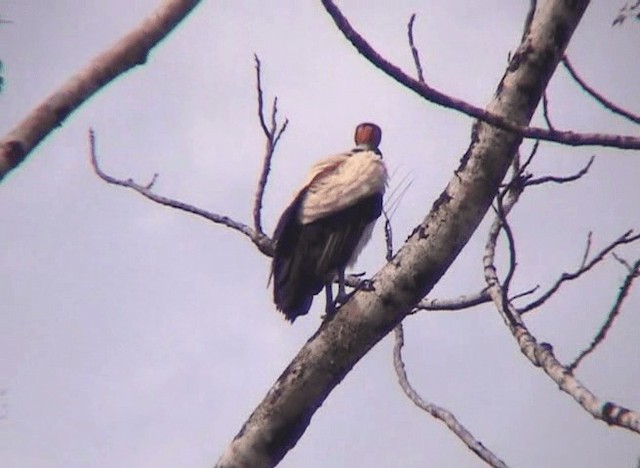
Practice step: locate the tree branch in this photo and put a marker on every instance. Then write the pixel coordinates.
(341, 341)
(272, 135)
(485, 115)
(541, 354)
(518, 181)
(545, 111)
(562, 180)
(501, 214)
(626, 238)
(630, 9)
(263, 242)
(458, 303)
(133, 49)
(596, 95)
(436, 411)
(414, 50)
(613, 314)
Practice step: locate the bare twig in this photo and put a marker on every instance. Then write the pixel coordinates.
(263, 242)
(436, 411)
(597, 96)
(263, 122)
(465, 301)
(623, 262)
(272, 134)
(524, 293)
(506, 201)
(626, 238)
(545, 111)
(629, 9)
(502, 216)
(441, 99)
(534, 151)
(562, 180)
(414, 49)
(388, 237)
(587, 250)
(458, 303)
(133, 49)
(613, 314)
(541, 354)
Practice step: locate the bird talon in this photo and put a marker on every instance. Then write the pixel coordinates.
(330, 310)
(366, 285)
(341, 298)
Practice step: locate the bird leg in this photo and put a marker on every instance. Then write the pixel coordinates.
(341, 298)
(342, 292)
(330, 307)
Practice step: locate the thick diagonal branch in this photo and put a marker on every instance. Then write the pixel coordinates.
(125, 54)
(284, 414)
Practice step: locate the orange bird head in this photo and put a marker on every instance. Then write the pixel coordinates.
(368, 134)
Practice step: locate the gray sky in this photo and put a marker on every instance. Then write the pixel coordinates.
(135, 335)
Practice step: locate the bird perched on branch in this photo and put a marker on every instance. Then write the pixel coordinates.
(326, 225)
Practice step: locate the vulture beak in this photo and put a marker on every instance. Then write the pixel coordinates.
(327, 224)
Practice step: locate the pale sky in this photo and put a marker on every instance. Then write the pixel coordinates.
(134, 335)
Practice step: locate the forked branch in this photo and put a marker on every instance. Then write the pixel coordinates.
(263, 242)
(272, 133)
(560, 179)
(541, 354)
(436, 411)
(634, 272)
(585, 266)
(437, 97)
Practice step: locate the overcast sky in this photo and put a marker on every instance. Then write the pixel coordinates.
(134, 335)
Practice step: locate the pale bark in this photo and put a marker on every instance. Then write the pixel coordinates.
(129, 51)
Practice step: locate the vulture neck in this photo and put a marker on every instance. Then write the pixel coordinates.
(365, 147)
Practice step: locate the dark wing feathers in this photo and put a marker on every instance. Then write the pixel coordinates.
(307, 256)
(289, 273)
